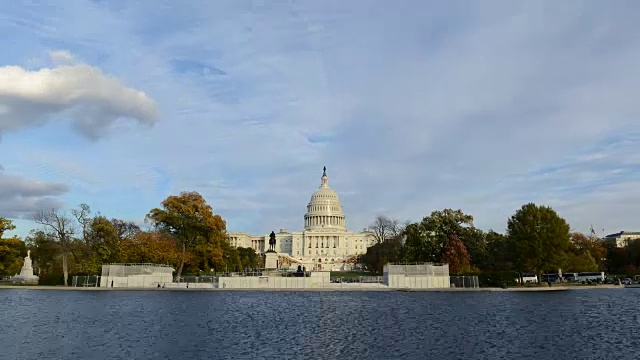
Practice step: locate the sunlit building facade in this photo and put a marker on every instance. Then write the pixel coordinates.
(324, 244)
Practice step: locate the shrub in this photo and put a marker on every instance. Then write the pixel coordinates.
(497, 279)
(53, 278)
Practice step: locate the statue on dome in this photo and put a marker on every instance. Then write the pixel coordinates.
(324, 171)
(272, 241)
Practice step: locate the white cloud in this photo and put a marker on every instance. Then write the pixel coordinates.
(21, 197)
(92, 99)
(62, 57)
(412, 108)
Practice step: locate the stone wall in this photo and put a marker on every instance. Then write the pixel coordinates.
(317, 279)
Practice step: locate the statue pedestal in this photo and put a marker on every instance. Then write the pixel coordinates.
(26, 273)
(271, 260)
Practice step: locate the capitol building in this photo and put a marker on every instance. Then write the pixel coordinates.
(324, 244)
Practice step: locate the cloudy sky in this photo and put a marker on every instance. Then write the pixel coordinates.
(413, 106)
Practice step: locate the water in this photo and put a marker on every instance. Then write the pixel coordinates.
(582, 324)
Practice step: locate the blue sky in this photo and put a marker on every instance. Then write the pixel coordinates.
(413, 106)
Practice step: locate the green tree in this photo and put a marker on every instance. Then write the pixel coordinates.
(188, 218)
(102, 237)
(214, 252)
(5, 225)
(475, 241)
(12, 250)
(592, 245)
(249, 258)
(381, 254)
(539, 238)
(418, 245)
(498, 252)
(426, 240)
(577, 260)
(45, 251)
(456, 255)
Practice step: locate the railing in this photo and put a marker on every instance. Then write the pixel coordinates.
(464, 282)
(86, 281)
(417, 269)
(359, 280)
(140, 264)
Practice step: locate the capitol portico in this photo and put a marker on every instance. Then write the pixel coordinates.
(324, 244)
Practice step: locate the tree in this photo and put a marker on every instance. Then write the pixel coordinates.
(11, 252)
(214, 252)
(62, 227)
(381, 254)
(475, 241)
(126, 229)
(498, 256)
(456, 255)
(151, 247)
(385, 228)
(590, 244)
(187, 217)
(102, 236)
(44, 250)
(425, 241)
(539, 238)
(249, 258)
(82, 216)
(5, 225)
(418, 245)
(579, 261)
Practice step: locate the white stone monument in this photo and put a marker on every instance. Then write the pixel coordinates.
(271, 256)
(271, 260)
(26, 273)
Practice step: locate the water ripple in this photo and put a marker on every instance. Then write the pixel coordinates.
(226, 325)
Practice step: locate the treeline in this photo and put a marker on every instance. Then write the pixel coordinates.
(537, 240)
(183, 233)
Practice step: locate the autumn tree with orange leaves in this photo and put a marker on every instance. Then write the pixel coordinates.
(456, 255)
(190, 221)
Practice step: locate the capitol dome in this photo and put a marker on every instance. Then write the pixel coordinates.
(324, 211)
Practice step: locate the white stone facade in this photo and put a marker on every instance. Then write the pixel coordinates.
(416, 276)
(135, 275)
(622, 238)
(324, 244)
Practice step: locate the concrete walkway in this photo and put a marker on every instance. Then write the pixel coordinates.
(354, 288)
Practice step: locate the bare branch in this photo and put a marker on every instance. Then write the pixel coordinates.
(385, 228)
(61, 227)
(82, 216)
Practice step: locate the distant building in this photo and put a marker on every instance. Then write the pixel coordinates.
(622, 238)
(324, 244)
